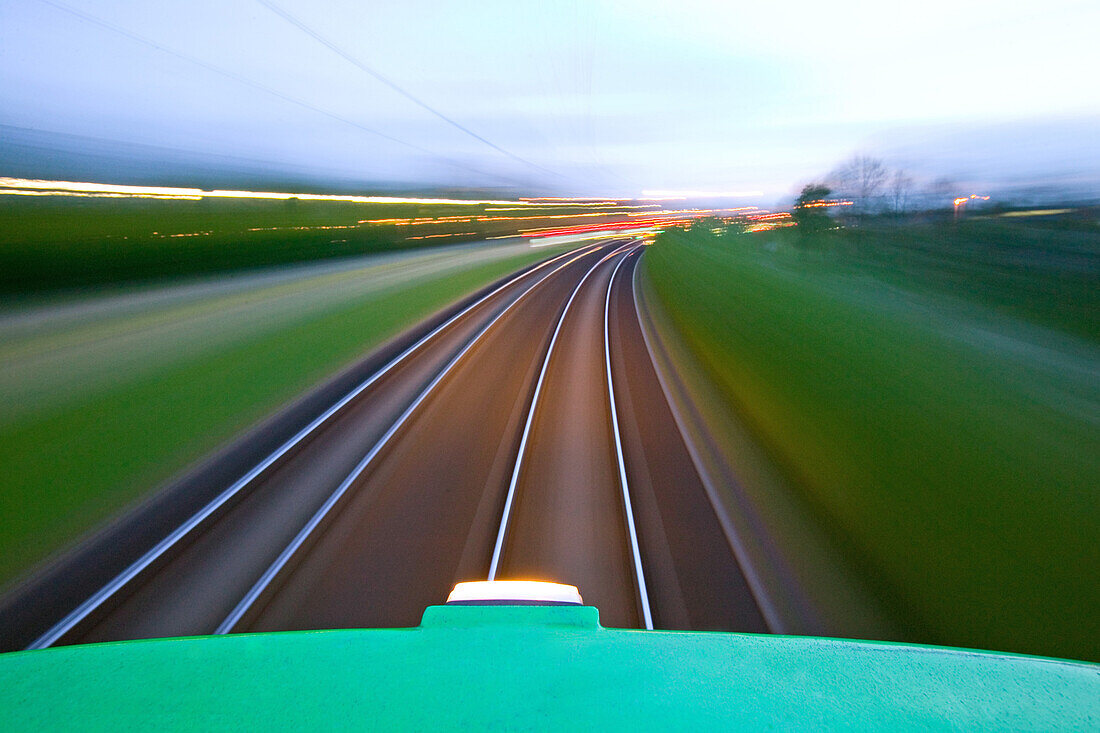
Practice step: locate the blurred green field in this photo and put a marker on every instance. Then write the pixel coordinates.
(934, 392)
(1042, 269)
(56, 243)
(104, 398)
(50, 243)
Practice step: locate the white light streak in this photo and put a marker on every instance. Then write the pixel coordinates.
(23, 185)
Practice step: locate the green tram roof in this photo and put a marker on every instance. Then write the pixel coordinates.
(541, 667)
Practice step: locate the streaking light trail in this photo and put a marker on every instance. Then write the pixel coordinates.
(26, 186)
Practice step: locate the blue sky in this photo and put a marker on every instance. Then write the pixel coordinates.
(612, 97)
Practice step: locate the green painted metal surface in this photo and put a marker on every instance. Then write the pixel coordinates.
(536, 668)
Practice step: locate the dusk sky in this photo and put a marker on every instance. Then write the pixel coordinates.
(586, 96)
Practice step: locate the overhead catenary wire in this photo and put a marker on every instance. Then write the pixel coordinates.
(94, 20)
(300, 25)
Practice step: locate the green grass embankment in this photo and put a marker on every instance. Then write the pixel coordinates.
(56, 243)
(105, 407)
(946, 436)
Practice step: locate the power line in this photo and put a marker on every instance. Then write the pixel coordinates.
(88, 18)
(393, 85)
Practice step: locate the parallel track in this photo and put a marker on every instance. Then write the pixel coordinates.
(402, 525)
(280, 562)
(104, 594)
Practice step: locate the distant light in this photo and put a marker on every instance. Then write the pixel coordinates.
(974, 196)
(700, 194)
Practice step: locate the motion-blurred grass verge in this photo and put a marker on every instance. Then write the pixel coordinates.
(107, 398)
(57, 243)
(934, 392)
(50, 244)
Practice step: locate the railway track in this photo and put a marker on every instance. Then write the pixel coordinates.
(527, 435)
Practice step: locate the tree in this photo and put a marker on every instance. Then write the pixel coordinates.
(809, 210)
(942, 191)
(900, 185)
(861, 178)
(812, 193)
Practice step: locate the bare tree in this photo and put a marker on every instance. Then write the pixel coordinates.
(861, 177)
(941, 191)
(900, 185)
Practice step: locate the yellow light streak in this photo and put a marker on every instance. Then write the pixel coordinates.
(1037, 212)
(438, 236)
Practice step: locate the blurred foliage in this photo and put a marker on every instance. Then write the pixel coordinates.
(1043, 269)
(55, 243)
(52, 243)
(810, 219)
(932, 390)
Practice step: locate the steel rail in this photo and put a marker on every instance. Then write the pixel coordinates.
(643, 595)
(494, 563)
(97, 599)
(772, 617)
(303, 535)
